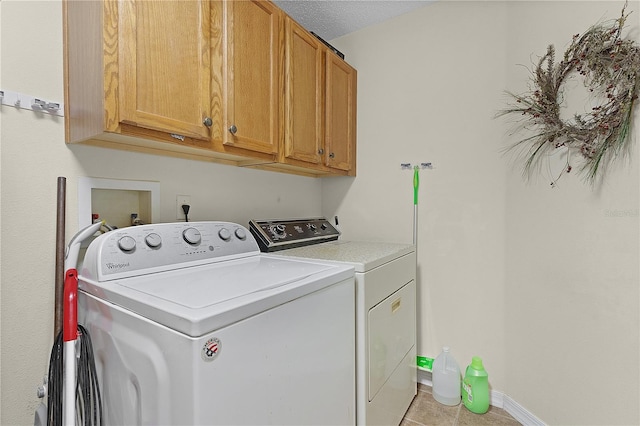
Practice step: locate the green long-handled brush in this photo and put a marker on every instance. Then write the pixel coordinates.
(416, 186)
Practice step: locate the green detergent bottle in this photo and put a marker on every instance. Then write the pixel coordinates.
(475, 387)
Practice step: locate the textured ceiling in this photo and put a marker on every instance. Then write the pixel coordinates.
(334, 18)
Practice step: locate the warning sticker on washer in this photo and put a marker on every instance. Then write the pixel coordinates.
(211, 349)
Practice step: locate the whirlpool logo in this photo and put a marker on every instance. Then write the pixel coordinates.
(117, 266)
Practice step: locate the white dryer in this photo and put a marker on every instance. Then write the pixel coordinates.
(385, 273)
(191, 324)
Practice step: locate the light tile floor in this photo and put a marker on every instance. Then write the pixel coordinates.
(426, 411)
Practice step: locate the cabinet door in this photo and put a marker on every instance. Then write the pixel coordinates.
(164, 75)
(340, 115)
(304, 103)
(253, 37)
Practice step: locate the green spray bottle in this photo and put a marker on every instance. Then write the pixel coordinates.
(475, 387)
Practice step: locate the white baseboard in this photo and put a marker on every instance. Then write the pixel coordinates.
(496, 399)
(520, 413)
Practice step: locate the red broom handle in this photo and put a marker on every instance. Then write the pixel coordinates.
(70, 311)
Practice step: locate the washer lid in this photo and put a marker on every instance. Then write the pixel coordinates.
(200, 299)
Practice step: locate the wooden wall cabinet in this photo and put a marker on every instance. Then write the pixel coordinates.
(340, 115)
(320, 105)
(205, 80)
(251, 65)
(172, 77)
(304, 97)
(163, 69)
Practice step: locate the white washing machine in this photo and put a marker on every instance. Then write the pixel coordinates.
(191, 324)
(385, 309)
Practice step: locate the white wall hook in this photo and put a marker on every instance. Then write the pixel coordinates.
(37, 104)
(22, 101)
(409, 166)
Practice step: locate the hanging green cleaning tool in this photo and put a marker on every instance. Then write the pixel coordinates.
(424, 363)
(416, 184)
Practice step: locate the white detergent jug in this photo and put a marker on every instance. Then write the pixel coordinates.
(446, 379)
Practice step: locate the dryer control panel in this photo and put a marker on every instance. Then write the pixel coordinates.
(144, 249)
(273, 235)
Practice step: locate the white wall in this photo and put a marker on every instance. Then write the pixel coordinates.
(0, 217)
(542, 283)
(34, 155)
(572, 300)
(428, 85)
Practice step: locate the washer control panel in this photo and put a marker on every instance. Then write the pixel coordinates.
(273, 235)
(139, 250)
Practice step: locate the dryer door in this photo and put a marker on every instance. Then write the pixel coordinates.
(392, 330)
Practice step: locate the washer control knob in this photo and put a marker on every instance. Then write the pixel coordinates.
(224, 234)
(323, 226)
(126, 243)
(192, 236)
(312, 226)
(241, 234)
(153, 240)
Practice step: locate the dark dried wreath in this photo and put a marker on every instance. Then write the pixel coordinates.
(610, 67)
